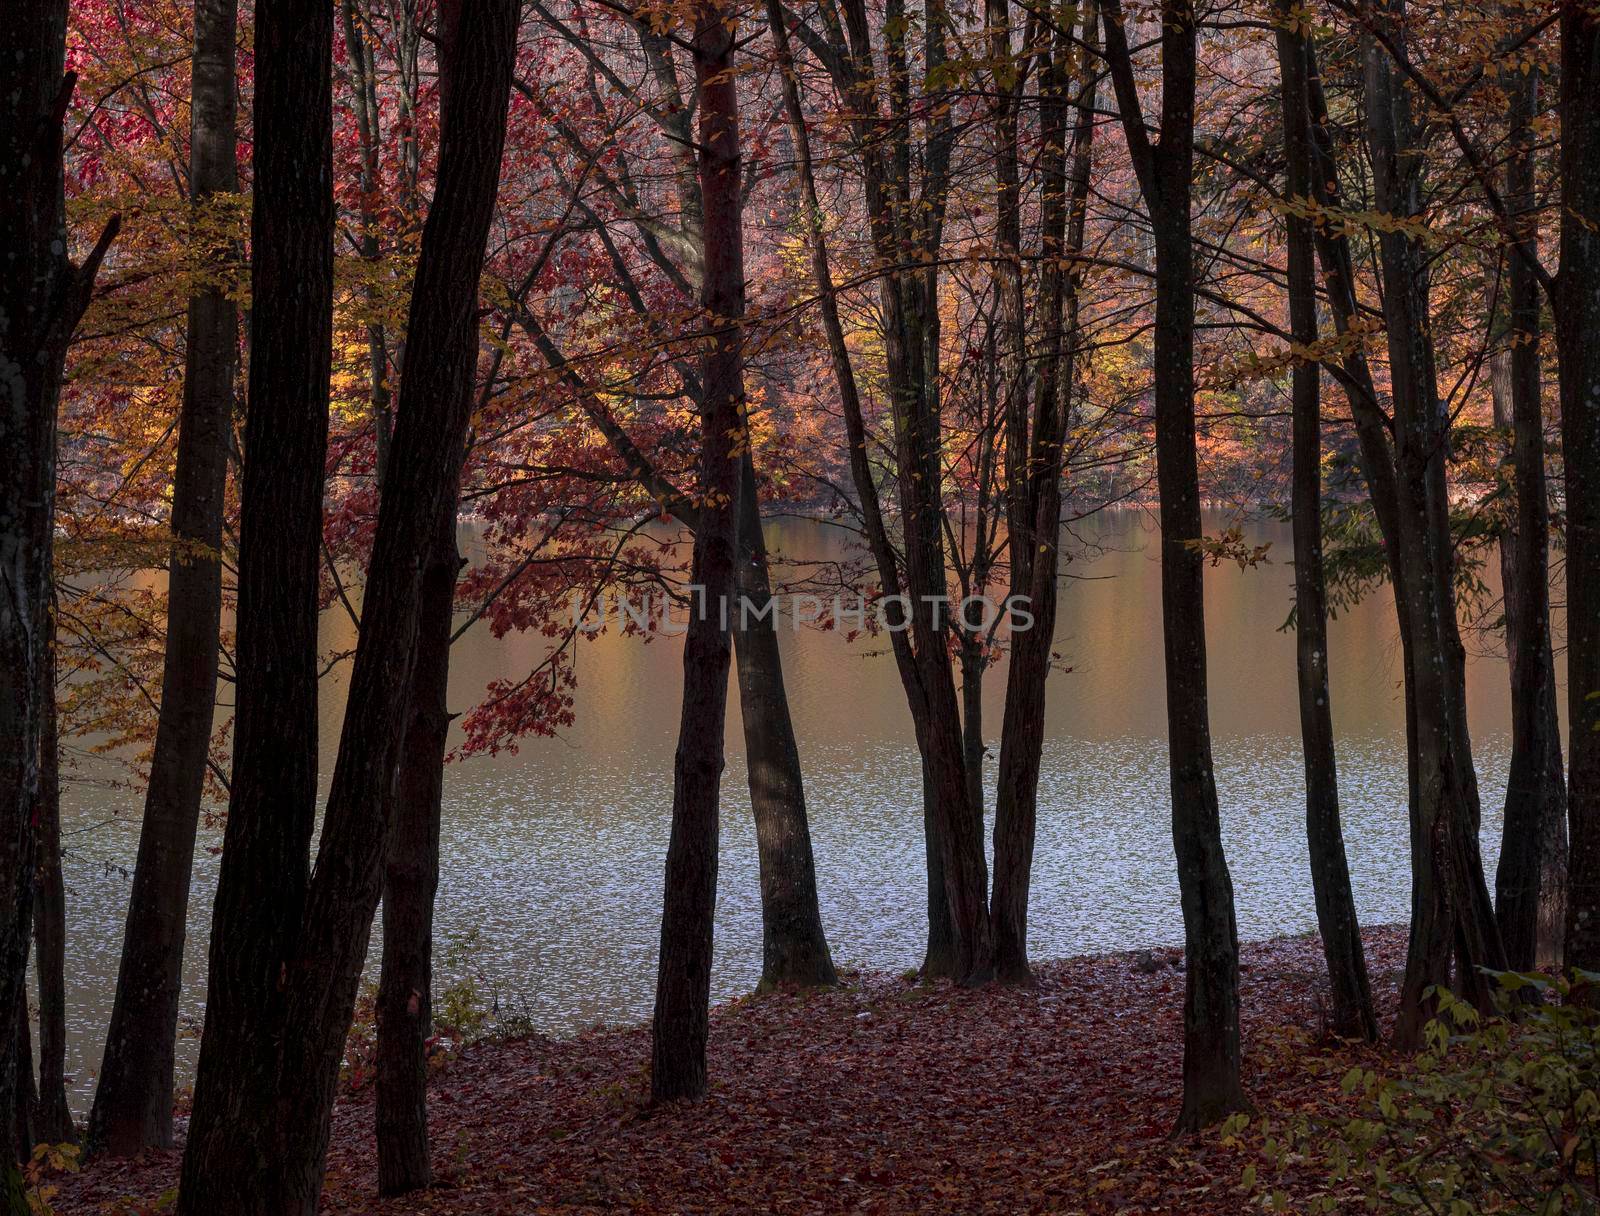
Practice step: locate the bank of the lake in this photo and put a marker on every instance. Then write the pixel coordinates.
(880, 1096)
(552, 856)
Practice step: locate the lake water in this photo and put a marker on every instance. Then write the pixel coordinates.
(552, 857)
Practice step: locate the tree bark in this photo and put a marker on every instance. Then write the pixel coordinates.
(478, 46)
(683, 978)
(1065, 192)
(53, 1117)
(410, 882)
(1453, 930)
(794, 946)
(133, 1102)
(1577, 322)
(1352, 1012)
(25, 1113)
(1530, 882)
(1211, 1057)
(960, 939)
(42, 297)
(233, 1160)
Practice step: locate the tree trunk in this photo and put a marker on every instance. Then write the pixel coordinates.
(959, 938)
(1211, 1056)
(233, 1159)
(363, 78)
(1453, 931)
(1530, 883)
(1065, 196)
(24, 1115)
(52, 1114)
(794, 947)
(133, 1101)
(1577, 323)
(1352, 1012)
(972, 749)
(410, 882)
(939, 957)
(477, 50)
(42, 297)
(683, 977)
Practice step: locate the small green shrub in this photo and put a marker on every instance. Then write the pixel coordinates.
(1496, 1115)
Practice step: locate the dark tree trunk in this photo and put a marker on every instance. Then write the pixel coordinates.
(794, 947)
(363, 80)
(959, 938)
(683, 977)
(1577, 323)
(1453, 930)
(24, 1118)
(42, 297)
(1211, 1057)
(970, 648)
(53, 1117)
(939, 959)
(1352, 1012)
(133, 1101)
(1065, 195)
(478, 50)
(1530, 883)
(233, 1160)
(410, 882)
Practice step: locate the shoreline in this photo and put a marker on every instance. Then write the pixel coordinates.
(880, 1095)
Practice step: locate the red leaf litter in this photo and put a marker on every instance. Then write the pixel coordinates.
(880, 1096)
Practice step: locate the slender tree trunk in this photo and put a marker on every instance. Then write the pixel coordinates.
(944, 954)
(24, 1118)
(1453, 930)
(1577, 323)
(133, 1101)
(233, 1160)
(42, 298)
(939, 957)
(1065, 195)
(794, 947)
(478, 41)
(53, 1115)
(410, 882)
(1530, 883)
(1211, 1057)
(683, 978)
(364, 98)
(1352, 1013)
(972, 748)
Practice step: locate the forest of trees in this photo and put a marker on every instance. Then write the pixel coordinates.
(291, 289)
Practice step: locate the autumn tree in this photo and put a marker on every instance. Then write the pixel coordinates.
(683, 978)
(232, 1161)
(1530, 882)
(42, 297)
(1577, 320)
(1165, 168)
(905, 211)
(1034, 473)
(672, 240)
(133, 1100)
(321, 950)
(1353, 1015)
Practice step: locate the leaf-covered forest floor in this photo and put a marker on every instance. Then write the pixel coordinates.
(880, 1096)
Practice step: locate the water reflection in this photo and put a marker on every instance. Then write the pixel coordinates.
(553, 856)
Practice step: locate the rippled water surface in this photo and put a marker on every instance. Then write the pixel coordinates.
(552, 858)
